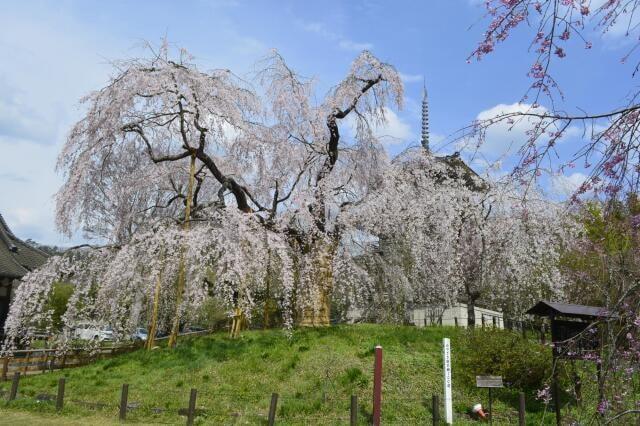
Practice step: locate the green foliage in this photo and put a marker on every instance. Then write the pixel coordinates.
(57, 302)
(524, 366)
(604, 264)
(212, 315)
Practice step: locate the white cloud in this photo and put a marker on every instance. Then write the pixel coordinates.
(565, 185)
(352, 45)
(503, 138)
(394, 131)
(341, 41)
(411, 78)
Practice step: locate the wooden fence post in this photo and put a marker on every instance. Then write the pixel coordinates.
(272, 409)
(192, 407)
(60, 398)
(377, 385)
(455, 320)
(14, 386)
(354, 410)
(123, 401)
(521, 409)
(435, 409)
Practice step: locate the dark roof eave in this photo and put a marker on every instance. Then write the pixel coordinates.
(545, 308)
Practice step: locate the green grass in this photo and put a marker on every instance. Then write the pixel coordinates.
(314, 372)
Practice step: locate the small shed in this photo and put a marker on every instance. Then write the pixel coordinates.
(572, 335)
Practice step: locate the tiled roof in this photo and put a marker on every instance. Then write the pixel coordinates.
(17, 257)
(546, 308)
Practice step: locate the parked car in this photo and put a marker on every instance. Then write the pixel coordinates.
(88, 331)
(141, 334)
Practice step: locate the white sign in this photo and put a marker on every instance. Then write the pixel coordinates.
(446, 360)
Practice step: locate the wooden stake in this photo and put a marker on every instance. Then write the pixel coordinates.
(124, 396)
(192, 407)
(354, 410)
(521, 410)
(435, 410)
(272, 409)
(60, 397)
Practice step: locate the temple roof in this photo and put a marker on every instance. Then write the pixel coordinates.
(17, 257)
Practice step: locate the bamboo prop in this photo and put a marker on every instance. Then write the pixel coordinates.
(182, 272)
(153, 328)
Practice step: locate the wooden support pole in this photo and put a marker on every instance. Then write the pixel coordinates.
(272, 409)
(5, 367)
(27, 359)
(191, 412)
(60, 397)
(521, 410)
(175, 329)
(14, 386)
(377, 386)
(353, 419)
(490, 413)
(46, 358)
(435, 410)
(124, 396)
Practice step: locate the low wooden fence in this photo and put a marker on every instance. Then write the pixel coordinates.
(37, 361)
(351, 410)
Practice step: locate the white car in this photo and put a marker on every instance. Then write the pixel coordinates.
(140, 334)
(93, 332)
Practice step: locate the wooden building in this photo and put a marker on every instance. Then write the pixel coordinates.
(16, 259)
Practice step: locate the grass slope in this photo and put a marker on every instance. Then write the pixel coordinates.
(314, 372)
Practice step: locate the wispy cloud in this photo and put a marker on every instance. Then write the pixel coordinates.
(341, 41)
(411, 78)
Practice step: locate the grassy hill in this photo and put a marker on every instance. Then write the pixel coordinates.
(315, 372)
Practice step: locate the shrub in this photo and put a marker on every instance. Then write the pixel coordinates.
(523, 364)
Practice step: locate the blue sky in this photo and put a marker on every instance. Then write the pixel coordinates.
(55, 52)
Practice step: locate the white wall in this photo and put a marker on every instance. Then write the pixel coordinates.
(421, 317)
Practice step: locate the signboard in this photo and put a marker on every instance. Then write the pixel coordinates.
(571, 338)
(446, 360)
(489, 382)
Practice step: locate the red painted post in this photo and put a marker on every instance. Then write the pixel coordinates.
(377, 385)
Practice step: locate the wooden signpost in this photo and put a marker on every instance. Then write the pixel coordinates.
(489, 382)
(446, 360)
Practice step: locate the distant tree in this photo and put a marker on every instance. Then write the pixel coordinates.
(462, 237)
(49, 249)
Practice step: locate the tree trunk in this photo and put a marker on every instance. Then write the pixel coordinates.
(471, 312)
(319, 313)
